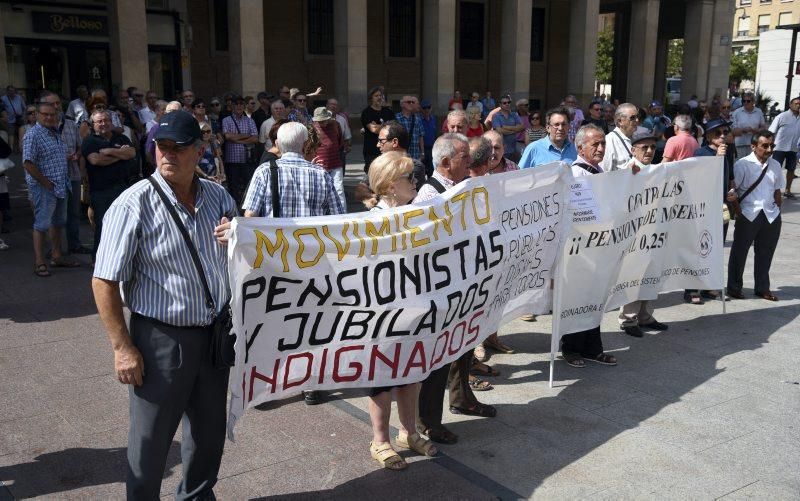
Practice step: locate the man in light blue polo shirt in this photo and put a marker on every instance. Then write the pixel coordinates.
(552, 147)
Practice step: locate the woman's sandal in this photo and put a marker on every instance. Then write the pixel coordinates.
(604, 359)
(479, 384)
(416, 443)
(387, 457)
(573, 359)
(480, 353)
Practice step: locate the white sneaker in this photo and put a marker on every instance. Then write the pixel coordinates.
(3, 245)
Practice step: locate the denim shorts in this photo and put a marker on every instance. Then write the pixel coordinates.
(48, 210)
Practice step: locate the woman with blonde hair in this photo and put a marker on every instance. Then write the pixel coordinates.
(475, 128)
(391, 177)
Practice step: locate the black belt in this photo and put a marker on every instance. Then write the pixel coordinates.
(170, 326)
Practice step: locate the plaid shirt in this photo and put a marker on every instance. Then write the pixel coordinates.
(413, 135)
(236, 153)
(72, 143)
(305, 189)
(44, 148)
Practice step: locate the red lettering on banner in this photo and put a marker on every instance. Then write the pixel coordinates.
(254, 374)
(393, 363)
(476, 329)
(338, 378)
(323, 365)
(417, 350)
(286, 369)
(463, 326)
(434, 359)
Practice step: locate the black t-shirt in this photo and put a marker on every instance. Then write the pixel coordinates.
(102, 177)
(259, 117)
(368, 116)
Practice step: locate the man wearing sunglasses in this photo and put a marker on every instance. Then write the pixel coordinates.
(760, 222)
(618, 141)
(393, 136)
(786, 128)
(746, 120)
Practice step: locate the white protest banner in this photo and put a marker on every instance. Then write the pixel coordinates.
(382, 298)
(633, 236)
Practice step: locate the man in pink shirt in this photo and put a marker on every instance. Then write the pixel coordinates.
(682, 144)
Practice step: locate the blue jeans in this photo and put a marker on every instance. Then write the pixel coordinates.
(48, 210)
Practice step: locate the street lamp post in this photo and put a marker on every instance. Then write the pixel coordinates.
(790, 75)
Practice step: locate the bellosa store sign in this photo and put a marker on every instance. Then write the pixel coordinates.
(69, 24)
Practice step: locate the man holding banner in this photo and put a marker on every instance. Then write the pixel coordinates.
(633, 316)
(758, 183)
(587, 344)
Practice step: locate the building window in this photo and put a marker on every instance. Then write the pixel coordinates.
(784, 18)
(320, 27)
(221, 25)
(402, 28)
(470, 34)
(744, 26)
(745, 2)
(763, 23)
(766, 2)
(537, 34)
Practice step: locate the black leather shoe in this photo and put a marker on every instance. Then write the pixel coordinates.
(313, 397)
(735, 294)
(634, 331)
(655, 326)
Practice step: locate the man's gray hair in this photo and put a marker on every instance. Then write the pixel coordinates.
(621, 110)
(683, 122)
(291, 137)
(456, 115)
(161, 105)
(100, 112)
(480, 150)
(580, 137)
(445, 146)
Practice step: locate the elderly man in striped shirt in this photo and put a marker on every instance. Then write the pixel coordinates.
(163, 355)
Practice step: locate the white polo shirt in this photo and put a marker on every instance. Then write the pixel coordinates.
(786, 128)
(743, 119)
(745, 172)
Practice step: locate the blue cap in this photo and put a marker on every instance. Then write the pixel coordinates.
(425, 103)
(656, 102)
(178, 126)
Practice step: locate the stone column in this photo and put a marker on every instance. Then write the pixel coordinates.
(707, 49)
(642, 51)
(697, 48)
(515, 48)
(438, 52)
(582, 57)
(127, 23)
(350, 52)
(4, 76)
(247, 63)
(660, 84)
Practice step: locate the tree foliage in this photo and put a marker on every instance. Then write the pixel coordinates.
(605, 54)
(743, 65)
(675, 57)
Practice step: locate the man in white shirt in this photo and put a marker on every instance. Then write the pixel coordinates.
(147, 112)
(760, 222)
(618, 141)
(77, 107)
(278, 112)
(786, 128)
(746, 120)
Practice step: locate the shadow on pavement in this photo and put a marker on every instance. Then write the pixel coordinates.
(71, 469)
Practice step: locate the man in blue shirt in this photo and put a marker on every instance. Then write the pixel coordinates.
(428, 121)
(554, 146)
(509, 124)
(488, 104)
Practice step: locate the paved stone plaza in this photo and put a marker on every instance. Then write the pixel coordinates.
(708, 409)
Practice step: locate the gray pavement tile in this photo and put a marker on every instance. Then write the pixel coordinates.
(763, 452)
(634, 411)
(765, 490)
(36, 432)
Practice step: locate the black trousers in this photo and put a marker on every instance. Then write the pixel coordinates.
(431, 393)
(763, 236)
(180, 386)
(239, 176)
(586, 343)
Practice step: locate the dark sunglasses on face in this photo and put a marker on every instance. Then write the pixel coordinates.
(536, 117)
(214, 104)
(206, 131)
(505, 102)
(747, 100)
(200, 106)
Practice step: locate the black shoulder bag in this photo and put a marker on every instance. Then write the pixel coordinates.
(273, 184)
(737, 208)
(221, 350)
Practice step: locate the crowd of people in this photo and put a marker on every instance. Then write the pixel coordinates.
(162, 181)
